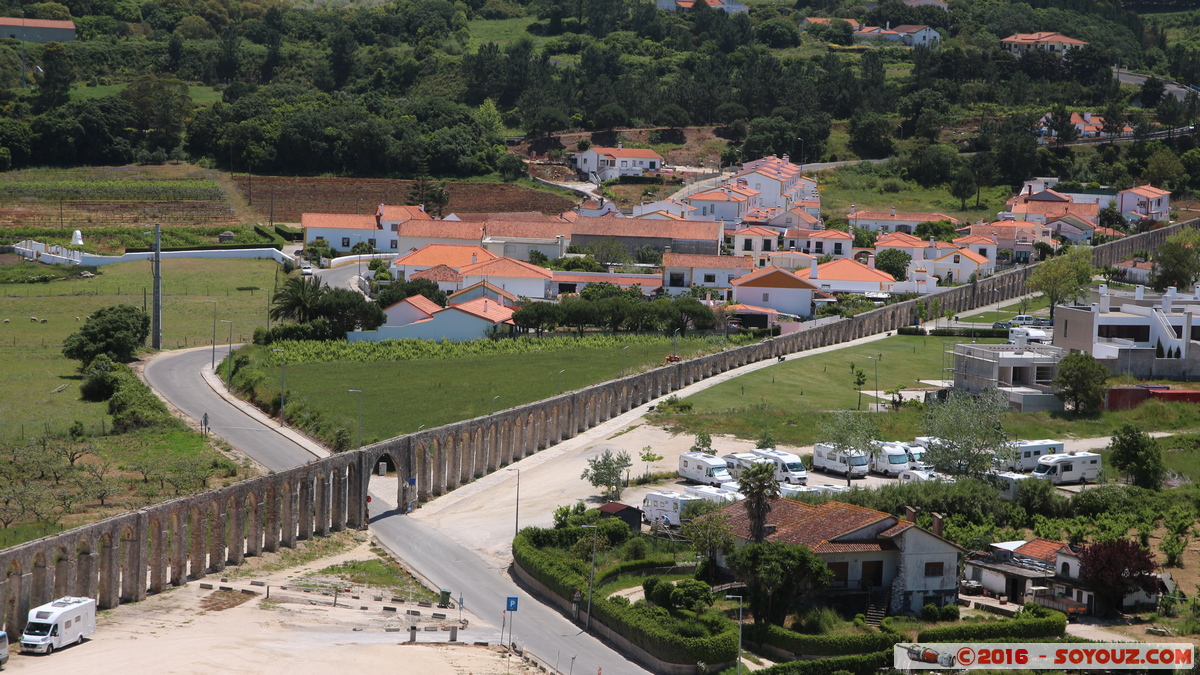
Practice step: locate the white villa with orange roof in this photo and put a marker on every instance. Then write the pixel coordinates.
(728, 203)
(847, 276)
(472, 320)
(1057, 43)
(955, 266)
(609, 163)
(891, 221)
(1087, 124)
(513, 276)
(1145, 202)
(778, 181)
(984, 246)
(754, 242)
(343, 230)
(917, 248)
(796, 218)
(824, 242)
(777, 289)
(918, 35)
(682, 271)
(450, 255)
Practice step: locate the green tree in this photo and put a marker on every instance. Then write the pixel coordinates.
(1163, 169)
(163, 105)
(895, 262)
(1060, 123)
(346, 310)
(968, 433)
(860, 378)
(1114, 569)
(510, 167)
(1152, 91)
(342, 50)
(1082, 381)
(758, 484)
(1137, 456)
(429, 193)
(964, 186)
(610, 251)
(777, 33)
(298, 299)
(775, 575)
(870, 134)
(115, 331)
(711, 535)
(611, 116)
(692, 594)
(648, 456)
(57, 76)
(605, 472)
(1178, 260)
(850, 432)
(1065, 277)
(703, 443)
(941, 230)
(1114, 121)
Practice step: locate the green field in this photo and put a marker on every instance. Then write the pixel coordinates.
(500, 31)
(201, 95)
(31, 362)
(839, 190)
(1007, 312)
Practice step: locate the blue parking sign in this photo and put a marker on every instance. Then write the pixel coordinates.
(512, 604)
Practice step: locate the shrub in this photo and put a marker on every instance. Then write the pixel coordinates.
(949, 613)
(635, 549)
(910, 330)
(862, 664)
(318, 330)
(969, 332)
(100, 378)
(820, 645)
(818, 621)
(134, 406)
(929, 613)
(1051, 626)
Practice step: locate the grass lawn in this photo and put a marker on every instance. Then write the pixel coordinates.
(864, 193)
(1007, 312)
(201, 95)
(500, 31)
(380, 573)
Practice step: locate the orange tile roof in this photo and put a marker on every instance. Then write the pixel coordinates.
(757, 232)
(717, 195)
(629, 153)
(622, 280)
(805, 525)
(339, 221)
(907, 217)
(773, 277)
(968, 254)
(505, 267)
(486, 308)
(390, 214)
(1039, 38)
(1108, 232)
(1148, 191)
(37, 23)
(420, 302)
(829, 234)
(975, 239)
(508, 215)
(854, 547)
(846, 269)
(900, 240)
(792, 253)
(909, 28)
(897, 528)
(451, 255)
(440, 273)
(660, 215)
(528, 229)
(731, 262)
(487, 285)
(1047, 195)
(1042, 549)
(740, 308)
(1136, 265)
(697, 230)
(1087, 211)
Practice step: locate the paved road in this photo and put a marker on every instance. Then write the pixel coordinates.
(540, 629)
(1173, 88)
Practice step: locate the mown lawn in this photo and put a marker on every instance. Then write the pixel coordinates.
(500, 31)
(865, 192)
(1007, 312)
(200, 94)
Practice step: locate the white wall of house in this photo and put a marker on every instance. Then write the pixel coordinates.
(450, 324)
(854, 564)
(343, 239)
(710, 209)
(402, 314)
(708, 277)
(1158, 208)
(529, 287)
(817, 247)
(754, 244)
(926, 37)
(921, 548)
(796, 301)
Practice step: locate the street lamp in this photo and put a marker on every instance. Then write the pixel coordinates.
(560, 380)
(517, 517)
(494, 399)
(801, 154)
(359, 392)
(229, 357)
(592, 581)
(282, 383)
(876, 375)
(739, 599)
(676, 339)
(623, 360)
(214, 340)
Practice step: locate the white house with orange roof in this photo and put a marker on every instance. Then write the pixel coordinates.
(955, 266)
(876, 33)
(1145, 202)
(598, 208)
(513, 276)
(755, 242)
(796, 217)
(1055, 43)
(341, 231)
(454, 256)
(893, 221)
(609, 163)
(914, 35)
(447, 278)
(777, 289)
(820, 243)
(778, 181)
(726, 203)
(848, 276)
(917, 248)
(1015, 235)
(681, 271)
(984, 246)
(1041, 207)
(473, 320)
(790, 259)
(673, 207)
(410, 310)
(1087, 125)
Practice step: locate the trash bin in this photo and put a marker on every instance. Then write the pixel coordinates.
(444, 601)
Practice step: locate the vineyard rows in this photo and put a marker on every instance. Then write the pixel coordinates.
(81, 215)
(143, 190)
(296, 352)
(117, 239)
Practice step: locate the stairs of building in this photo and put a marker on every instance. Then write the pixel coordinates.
(877, 604)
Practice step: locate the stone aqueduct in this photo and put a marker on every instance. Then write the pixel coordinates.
(125, 557)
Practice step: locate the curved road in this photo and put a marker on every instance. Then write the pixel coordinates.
(542, 630)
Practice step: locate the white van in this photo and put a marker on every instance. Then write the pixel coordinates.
(789, 469)
(1070, 467)
(916, 456)
(1009, 483)
(925, 441)
(829, 459)
(715, 495)
(736, 461)
(1022, 320)
(1033, 336)
(666, 506)
(891, 460)
(923, 476)
(1029, 452)
(65, 621)
(699, 467)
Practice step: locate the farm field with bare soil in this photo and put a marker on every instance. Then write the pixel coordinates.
(294, 195)
(690, 146)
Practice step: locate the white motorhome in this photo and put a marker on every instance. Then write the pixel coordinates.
(1069, 467)
(736, 461)
(891, 460)
(3, 649)
(789, 468)
(830, 459)
(706, 469)
(923, 476)
(715, 495)
(1009, 483)
(659, 507)
(1029, 452)
(64, 622)
(1019, 336)
(831, 489)
(793, 491)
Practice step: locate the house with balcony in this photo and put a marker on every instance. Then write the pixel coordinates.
(984, 246)
(1019, 44)
(755, 242)
(601, 164)
(1145, 202)
(820, 243)
(880, 562)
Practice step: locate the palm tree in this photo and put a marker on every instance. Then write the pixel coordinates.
(298, 299)
(760, 487)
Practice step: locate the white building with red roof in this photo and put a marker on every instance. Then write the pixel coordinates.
(453, 256)
(797, 218)
(847, 276)
(779, 182)
(513, 276)
(777, 289)
(1055, 43)
(341, 231)
(914, 35)
(1145, 202)
(955, 266)
(681, 271)
(755, 242)
(728, 203)
(894, 221)
(472, 320)
(820, 243)
(984, 246)
(610, 163)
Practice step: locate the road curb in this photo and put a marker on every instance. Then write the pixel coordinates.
(218, 387)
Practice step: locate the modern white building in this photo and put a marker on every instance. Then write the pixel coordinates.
(1145, 202)
(512, 276)
(777, 289)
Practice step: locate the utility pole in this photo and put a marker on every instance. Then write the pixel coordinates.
(156, 315)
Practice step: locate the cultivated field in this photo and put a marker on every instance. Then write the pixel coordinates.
(294, 195)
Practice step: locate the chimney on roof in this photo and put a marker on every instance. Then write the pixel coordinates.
(871, 262)
(666, 249)
(910, 514)
(1087, 117)
(932, 243)
(473, 258)
(851, 209)
(485, 304)
(379, 216)
(1105, 302)
(785, 158)
(813, 266)
(887, 26)
(937, 524)
(620, 145)
(893, 211)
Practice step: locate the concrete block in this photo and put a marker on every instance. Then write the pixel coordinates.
(364, 607)
(431, 629)
(389, 609)
(446, 628)
(354, 597)
(481, 643)
(424, 604)
(397, 600)
(247, 591)
(227, 588)
(258, 583)
(206, 587)
(392, 629)
(224, 580)
(379, 598)
(437, 615)
(414, 612)
(357, 628)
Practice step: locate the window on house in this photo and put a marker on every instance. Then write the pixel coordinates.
(1066, 570)
(791, 243)
(935, 569)
(762, 262)
(320, 238)
(747, 245)
(820, 247)
(371, 243)
(653, 165)
(345, 242)
(624, 164)
(766, 297)
(837, 247)
(730, 278)
(395, 227)
(395, 244)
(676, 279)
(766, 245)
(710, 278)
(956, 260)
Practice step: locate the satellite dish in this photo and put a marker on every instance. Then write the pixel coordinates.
(77, 238)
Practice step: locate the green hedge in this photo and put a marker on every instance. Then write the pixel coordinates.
(134, 406)
(910, 330)
(288, 234)
(1052, 626)
(970, 332)
(862, 664)
(204, 247)
(564, 577)
(821, 645)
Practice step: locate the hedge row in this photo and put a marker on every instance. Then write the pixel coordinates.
(821, 645)
(970, 332)
(565, 577)
(862, 664)
(134, 406)
(1054, 625)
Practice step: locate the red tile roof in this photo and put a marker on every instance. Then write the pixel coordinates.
(36, 23)
(906, 217)
(740, 308)
(811, 526)
(420, 302)
(975, 239)
(505, 267)
(846, 269)
(828, 234)
(724, 262)
(757, 232)
(1042, 549)
(854, 547)
(510, 215)
(389, 213)
(897, 528)
(630, 153)
(451, 255)
(696, 230)
(773, 277)
(900, 240)
(340, 221)
(1108, 232)
(440, 273)
(1039, 38)
(486, 308)
(968, 254)
(1148, 191)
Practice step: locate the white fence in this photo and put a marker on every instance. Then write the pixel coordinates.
(51, 254)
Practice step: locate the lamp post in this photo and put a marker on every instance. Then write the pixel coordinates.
(282, 384)
(214, 340)
(801, 154)
(494, 399)
(592, 581)
(560, 380)
(359, 392)
(229, 356)
(876, 375)
(623, 360)
(676, 341)
(517, 517)
(739, 599)
(996, 291)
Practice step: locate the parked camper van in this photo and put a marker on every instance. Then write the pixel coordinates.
(1070, 467)
(699, 467)
(1009, 483)
(736, 461)
(793, 491)
(712, 494)
(916, 456)
(788, 467)
(666, 506)
(1029, 452)
(1029, 336)
(891, 460)
(830, 459)
(65, 621)
(923, 476)
(831, 489)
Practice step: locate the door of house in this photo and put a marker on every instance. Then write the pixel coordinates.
(841, 572)
(872, 573)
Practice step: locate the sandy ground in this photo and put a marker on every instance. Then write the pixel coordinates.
(174, 633)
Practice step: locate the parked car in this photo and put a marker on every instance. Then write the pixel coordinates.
(306, 270)
(1039, 321)
(1002, 325)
